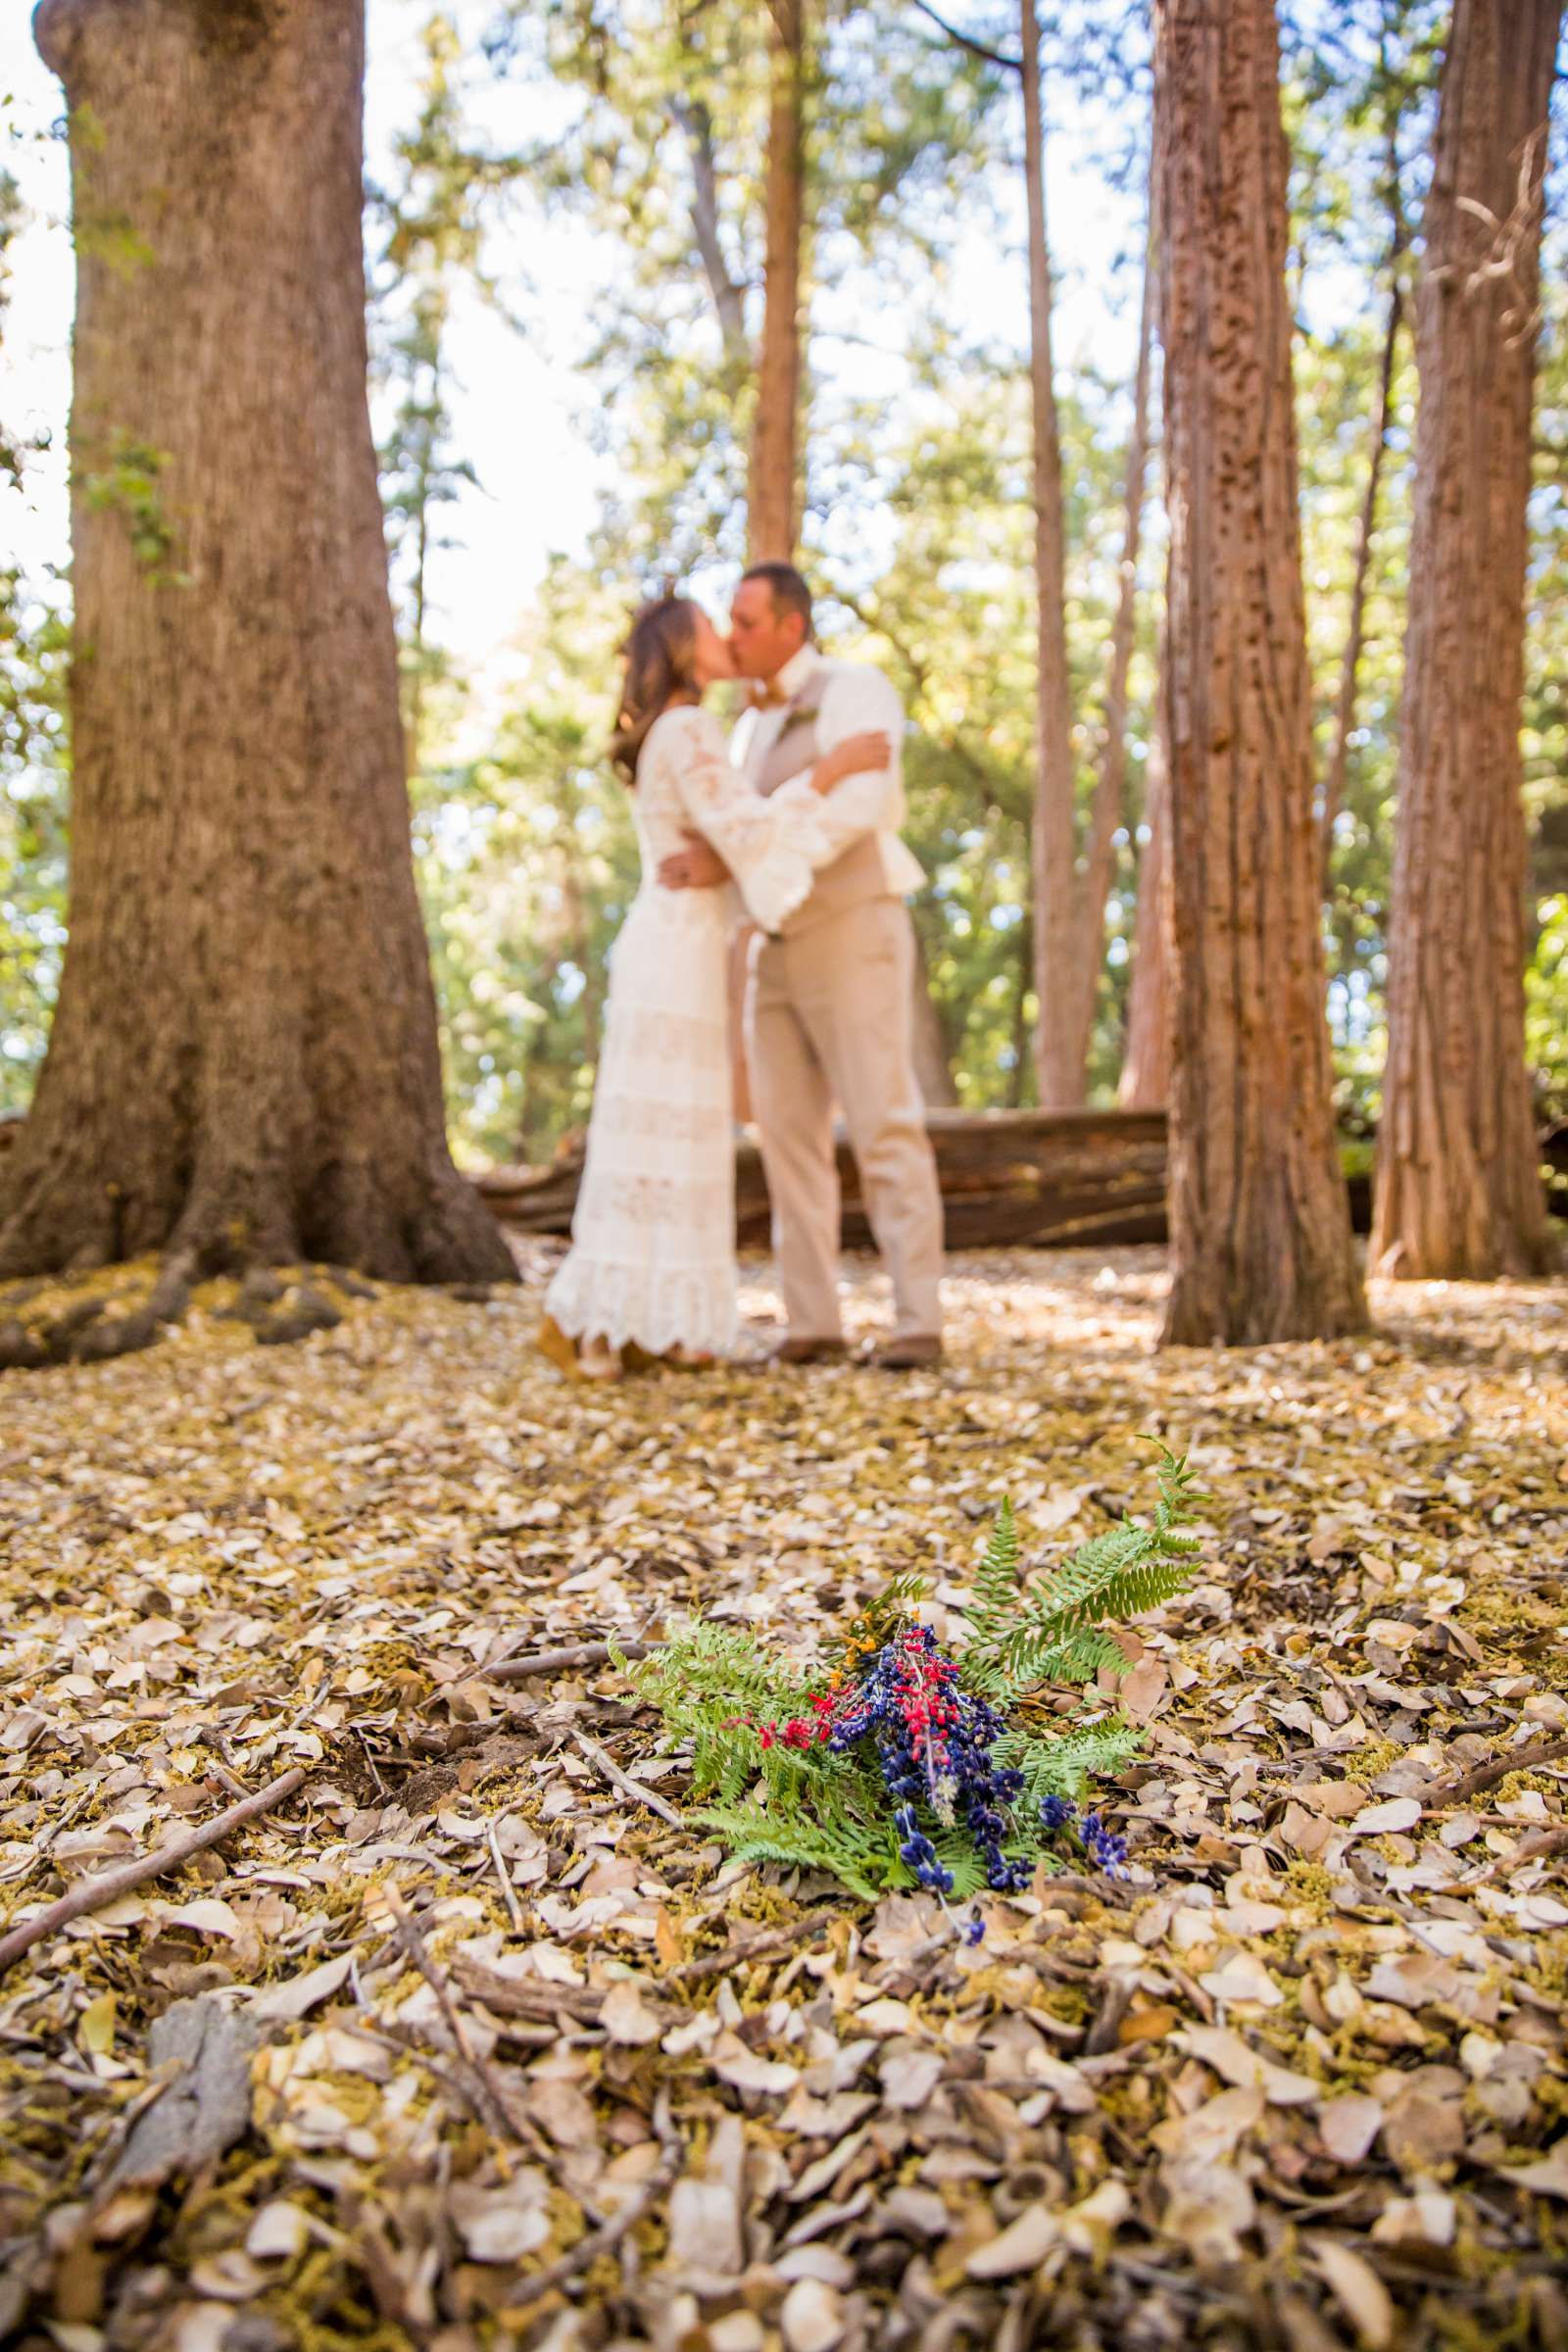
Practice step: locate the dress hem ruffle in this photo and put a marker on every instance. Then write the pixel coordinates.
(654, 1308)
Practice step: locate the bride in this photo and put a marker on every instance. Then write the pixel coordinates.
(652, 1266)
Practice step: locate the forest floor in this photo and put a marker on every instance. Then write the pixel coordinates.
(491, 2052)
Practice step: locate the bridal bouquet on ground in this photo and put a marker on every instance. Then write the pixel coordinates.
(896, 1763)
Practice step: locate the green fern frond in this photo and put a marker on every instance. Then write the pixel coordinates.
(1030, 1657)
(753, 1834)
(995, 1581)
(1049, 1633)
(1062, 1766)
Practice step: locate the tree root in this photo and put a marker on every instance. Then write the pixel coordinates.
(92, 1317)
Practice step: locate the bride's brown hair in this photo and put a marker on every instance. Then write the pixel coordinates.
(659, 664)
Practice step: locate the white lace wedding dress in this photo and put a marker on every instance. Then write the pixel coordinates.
(652, 1239)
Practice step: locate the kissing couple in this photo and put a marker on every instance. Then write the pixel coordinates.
(796, 827)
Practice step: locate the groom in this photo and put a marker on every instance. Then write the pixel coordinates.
(829, 1003)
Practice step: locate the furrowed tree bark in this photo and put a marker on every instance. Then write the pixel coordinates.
(1458, 1189)
(243, 1066)
(1058, 1072)
(774, 496)
(1261, 1229)
(1110, 781)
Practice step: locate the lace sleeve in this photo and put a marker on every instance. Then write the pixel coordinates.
(772, 848)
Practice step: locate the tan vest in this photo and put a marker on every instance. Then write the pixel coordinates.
(859, 874)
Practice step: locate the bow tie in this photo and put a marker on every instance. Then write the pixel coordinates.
(770, 697)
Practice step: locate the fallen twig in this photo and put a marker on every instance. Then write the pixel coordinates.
(527, 1996)
(93, 1893)
(1486, 1776)
(743, 1949)
(560, 1662)
(1535, 1846)
(500, 2110)
(514, 1907)
(618, 1779)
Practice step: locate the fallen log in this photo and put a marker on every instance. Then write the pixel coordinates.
(1091, 1177)
(1075, 1179)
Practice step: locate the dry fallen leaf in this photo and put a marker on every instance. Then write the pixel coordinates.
(1349, 2125)
(214, 1560)
(1358, 2290)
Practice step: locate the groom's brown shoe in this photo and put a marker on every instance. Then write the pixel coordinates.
(915, 1352)
(809, 1352)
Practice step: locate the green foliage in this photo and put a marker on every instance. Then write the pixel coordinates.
(128, 485)
(1053, 1630)
(916, 502)
(708, 1686)
(720, 1692)
(33, 645)
(1546, 1001)
(1063, 1766)
(994, 1603)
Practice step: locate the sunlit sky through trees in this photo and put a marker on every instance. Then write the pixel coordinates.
(520, 402)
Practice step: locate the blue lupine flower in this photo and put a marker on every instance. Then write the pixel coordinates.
(1106, 1851)
(935, 1748)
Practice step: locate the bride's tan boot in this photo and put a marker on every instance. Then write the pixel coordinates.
(598, 1361)
(551, 1343)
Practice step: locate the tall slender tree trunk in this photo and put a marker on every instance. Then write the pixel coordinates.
(933, 1063)
(1058, 1073)
(1345, 711)
(1344, 707)
(1145, 1083)
(1110, 781)
(1260, 1227)
(774, 494)
(243, 1065)
(1458, 1189)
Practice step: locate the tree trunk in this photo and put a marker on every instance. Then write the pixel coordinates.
(729, 302)
(1145, 1061)
(243, 1065)
(1458, 1184)
(1110, 782)
(933, 1064)
(774, 499)
(1260, 1231)
(1058, 1072)
(1355, 631)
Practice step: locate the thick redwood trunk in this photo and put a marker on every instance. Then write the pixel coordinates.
(773, 501)
(1059, 1069)
(1260, 1232)
(1458, 1184)
(243, 1065)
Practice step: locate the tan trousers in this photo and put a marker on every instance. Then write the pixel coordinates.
(829, 1018)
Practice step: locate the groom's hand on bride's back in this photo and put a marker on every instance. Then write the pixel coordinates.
(698, 866)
